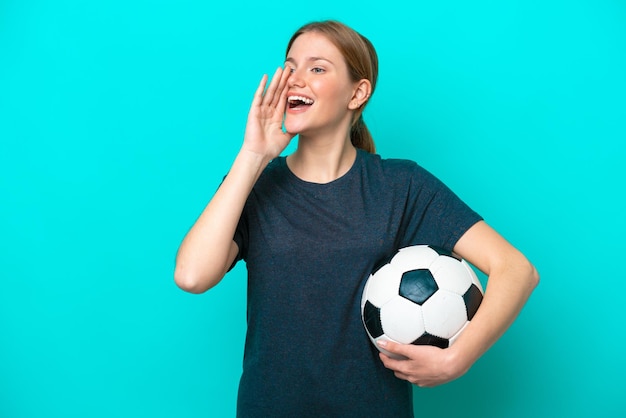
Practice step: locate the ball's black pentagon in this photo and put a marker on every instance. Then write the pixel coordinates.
(473, 298)
(371, 318)
(418, 285)
(443, 251)
(428, 339)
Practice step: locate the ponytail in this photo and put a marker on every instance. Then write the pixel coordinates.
(361, 137)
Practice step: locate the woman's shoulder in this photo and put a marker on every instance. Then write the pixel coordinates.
(402, 171)
(393, 165)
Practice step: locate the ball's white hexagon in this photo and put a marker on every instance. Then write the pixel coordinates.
(413, 258)
(383, 285)
(450, 274)
(444, 314)
(402, 320)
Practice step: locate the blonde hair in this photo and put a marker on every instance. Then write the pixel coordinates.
(362, 62)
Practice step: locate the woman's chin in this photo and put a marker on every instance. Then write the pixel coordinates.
(292, 128)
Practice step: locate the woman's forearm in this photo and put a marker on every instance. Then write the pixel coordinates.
(208, 249)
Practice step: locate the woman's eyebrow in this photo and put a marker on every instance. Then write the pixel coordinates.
(293, 61)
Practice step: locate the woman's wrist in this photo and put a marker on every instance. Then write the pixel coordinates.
(458, 360)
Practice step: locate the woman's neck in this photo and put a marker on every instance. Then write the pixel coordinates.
(321, 161)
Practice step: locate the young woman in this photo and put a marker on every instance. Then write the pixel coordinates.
(311, 227)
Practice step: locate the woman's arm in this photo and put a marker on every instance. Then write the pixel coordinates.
(512, 279)
(208, 249)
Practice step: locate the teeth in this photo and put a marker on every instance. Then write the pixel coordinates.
(300, 98)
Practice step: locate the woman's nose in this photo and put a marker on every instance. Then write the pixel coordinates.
(295, 79)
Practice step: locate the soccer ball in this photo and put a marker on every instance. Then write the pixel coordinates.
(423, 296)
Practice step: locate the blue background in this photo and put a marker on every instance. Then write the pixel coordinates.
(119, 118)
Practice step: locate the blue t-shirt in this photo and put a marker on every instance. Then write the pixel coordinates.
(309, 248)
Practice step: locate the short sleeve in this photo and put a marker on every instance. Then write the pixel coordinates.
(434, 214)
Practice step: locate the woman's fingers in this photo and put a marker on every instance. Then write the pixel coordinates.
(280, 97)
(269, 98)
(258, 94)
(276, 94)
(270, 101)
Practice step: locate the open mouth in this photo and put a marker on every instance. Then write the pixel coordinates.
(298, 102)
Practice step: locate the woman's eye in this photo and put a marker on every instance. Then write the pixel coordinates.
(317, 70)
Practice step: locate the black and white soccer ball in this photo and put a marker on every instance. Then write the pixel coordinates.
(423, 296)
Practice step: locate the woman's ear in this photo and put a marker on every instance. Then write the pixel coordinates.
(361, 94)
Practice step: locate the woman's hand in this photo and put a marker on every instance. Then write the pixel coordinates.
(422, 365)
(208, 250)
(264, 130)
